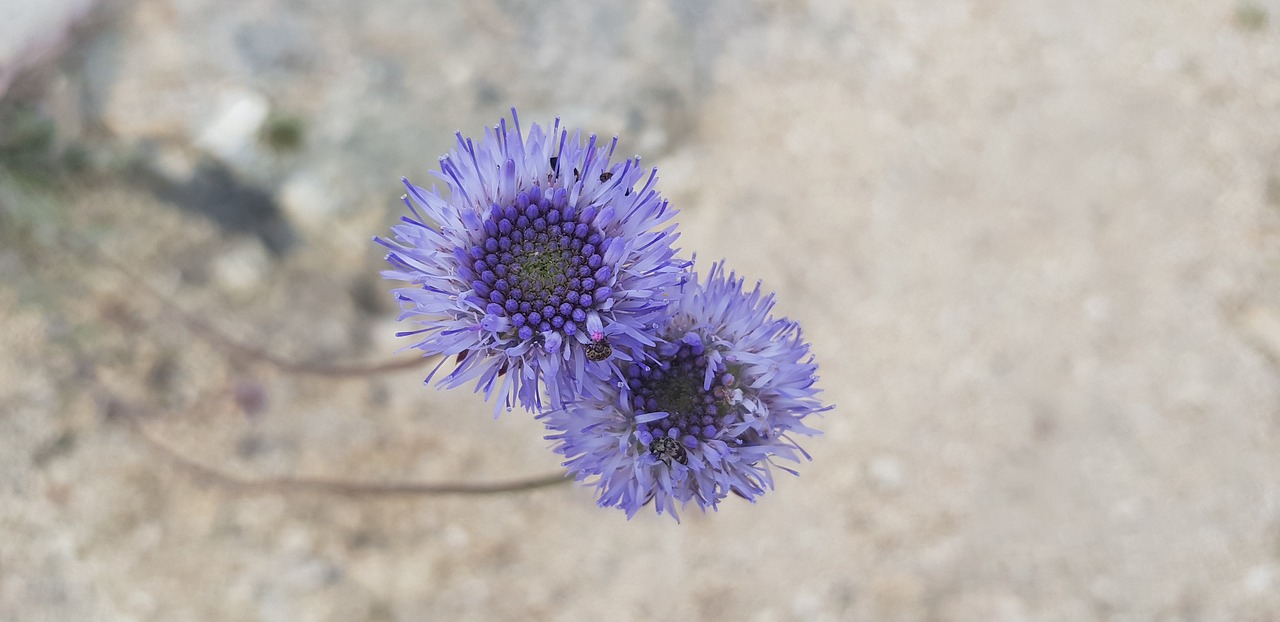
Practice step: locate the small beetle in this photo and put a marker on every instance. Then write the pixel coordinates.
(599, 350)
(668, 449)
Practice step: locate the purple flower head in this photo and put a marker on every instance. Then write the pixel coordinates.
(705, 413)
(544, 267)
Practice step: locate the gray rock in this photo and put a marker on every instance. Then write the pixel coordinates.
(34, 32)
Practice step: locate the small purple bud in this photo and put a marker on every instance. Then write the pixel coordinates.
(493, 323)
(694, 342)
(613, 250)
(606, 216)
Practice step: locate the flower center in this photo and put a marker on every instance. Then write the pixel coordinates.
(675, 385)
(541, 264)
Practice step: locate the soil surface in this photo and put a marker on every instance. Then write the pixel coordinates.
(1035, 246)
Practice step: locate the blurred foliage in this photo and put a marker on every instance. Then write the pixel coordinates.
(40, 258)
(283, 133)
(32, 174)
(1250, 16)
(27, 142)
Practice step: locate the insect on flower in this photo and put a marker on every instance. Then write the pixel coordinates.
(668, 449)
(598, 350)
(706, 412)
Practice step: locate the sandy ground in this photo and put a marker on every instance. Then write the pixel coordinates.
(1034, 245)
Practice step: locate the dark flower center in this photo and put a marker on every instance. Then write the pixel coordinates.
(541, 264)
(674, 384)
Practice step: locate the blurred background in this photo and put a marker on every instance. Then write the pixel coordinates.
(1034, 245)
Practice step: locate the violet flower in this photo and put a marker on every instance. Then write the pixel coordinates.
(706, 413)
(543, 268)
